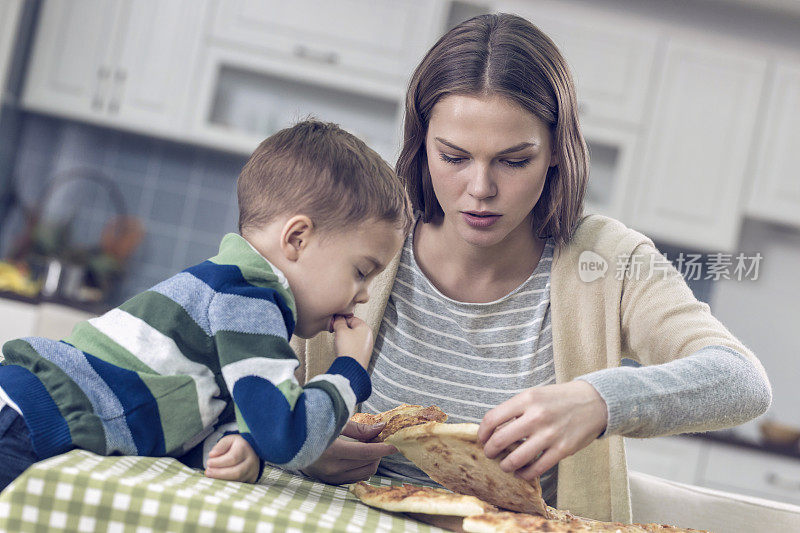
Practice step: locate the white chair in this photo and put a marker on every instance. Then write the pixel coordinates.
(658, 500)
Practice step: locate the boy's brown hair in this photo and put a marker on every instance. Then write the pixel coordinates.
(319, 170)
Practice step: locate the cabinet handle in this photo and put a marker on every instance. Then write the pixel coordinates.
(120, 76)
(103, 73)
(320, 56)
(782, 483)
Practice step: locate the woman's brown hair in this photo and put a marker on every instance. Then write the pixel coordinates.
(505, 55)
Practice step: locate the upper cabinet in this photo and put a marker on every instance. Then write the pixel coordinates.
(119, 62)
(268, 63)
(365, 38)
(696, 147)
(775, 190)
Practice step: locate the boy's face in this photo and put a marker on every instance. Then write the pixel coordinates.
(333, 272)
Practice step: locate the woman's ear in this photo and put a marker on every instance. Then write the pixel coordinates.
(295, 236)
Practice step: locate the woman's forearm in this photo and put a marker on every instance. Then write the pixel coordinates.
(714, 388)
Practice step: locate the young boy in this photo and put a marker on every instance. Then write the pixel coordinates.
(320, 215)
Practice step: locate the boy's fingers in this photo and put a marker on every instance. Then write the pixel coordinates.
(355, 322)
(223, 461)
(222, 446)
(227, 474)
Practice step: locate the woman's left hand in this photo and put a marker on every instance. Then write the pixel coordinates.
(554, 421)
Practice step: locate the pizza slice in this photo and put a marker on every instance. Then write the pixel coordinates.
(508, 522)
(452, 456)
(402, 416)
(419, 499)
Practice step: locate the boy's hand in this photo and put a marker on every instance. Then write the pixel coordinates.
(353, 338)
(232, 459)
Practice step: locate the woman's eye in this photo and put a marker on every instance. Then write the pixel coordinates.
(360, 274)
(517, 163)
(450, 159)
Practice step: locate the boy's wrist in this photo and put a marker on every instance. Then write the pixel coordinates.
(355, 373)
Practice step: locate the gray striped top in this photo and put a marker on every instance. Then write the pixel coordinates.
(464, 357)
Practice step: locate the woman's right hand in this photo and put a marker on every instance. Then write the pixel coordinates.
(346, 461)
(352, 338)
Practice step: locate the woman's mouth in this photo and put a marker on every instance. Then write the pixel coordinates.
(480, 219)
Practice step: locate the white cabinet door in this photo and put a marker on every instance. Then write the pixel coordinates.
(121, 63)
(690, 184)
(9, 19)
(775, 193)
(364, 37)
(71, 64)
(152, 76)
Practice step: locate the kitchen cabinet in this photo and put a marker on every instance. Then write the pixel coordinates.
(10, 12)
(268, 64)
(697, 145)
(716, 465)
(123, 63)
(244, 97)
(365, 38)
(775, 189)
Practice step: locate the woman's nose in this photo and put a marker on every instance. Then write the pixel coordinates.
(481, 184)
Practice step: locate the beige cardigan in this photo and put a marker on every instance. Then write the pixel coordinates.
(594, 324)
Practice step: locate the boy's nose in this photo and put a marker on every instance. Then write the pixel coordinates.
(362, 296)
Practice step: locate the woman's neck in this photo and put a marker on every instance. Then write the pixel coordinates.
(476, 274)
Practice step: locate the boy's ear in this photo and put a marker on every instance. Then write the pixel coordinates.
(295, 235)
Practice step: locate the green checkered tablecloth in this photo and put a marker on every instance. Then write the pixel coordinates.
(80, 491)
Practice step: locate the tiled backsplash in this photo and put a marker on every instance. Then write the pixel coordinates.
(185, 196)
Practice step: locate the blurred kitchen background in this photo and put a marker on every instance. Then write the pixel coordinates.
(124, 124)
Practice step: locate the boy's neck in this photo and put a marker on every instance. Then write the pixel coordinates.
(266, 241)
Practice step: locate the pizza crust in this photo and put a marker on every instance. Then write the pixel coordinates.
(402, 416)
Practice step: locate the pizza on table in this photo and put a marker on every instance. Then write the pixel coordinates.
(478, 496)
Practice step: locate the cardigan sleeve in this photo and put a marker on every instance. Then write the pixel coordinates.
(661, 322)
(286, 424)
(713, 388)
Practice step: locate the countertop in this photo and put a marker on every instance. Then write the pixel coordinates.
(732, 438)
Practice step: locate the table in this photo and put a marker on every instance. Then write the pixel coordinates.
(82, 491)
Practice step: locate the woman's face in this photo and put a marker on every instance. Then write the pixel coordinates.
(488, 158)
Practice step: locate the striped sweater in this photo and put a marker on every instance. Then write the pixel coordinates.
(156, 375)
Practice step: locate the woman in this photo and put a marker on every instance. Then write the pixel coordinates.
(485, 313)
